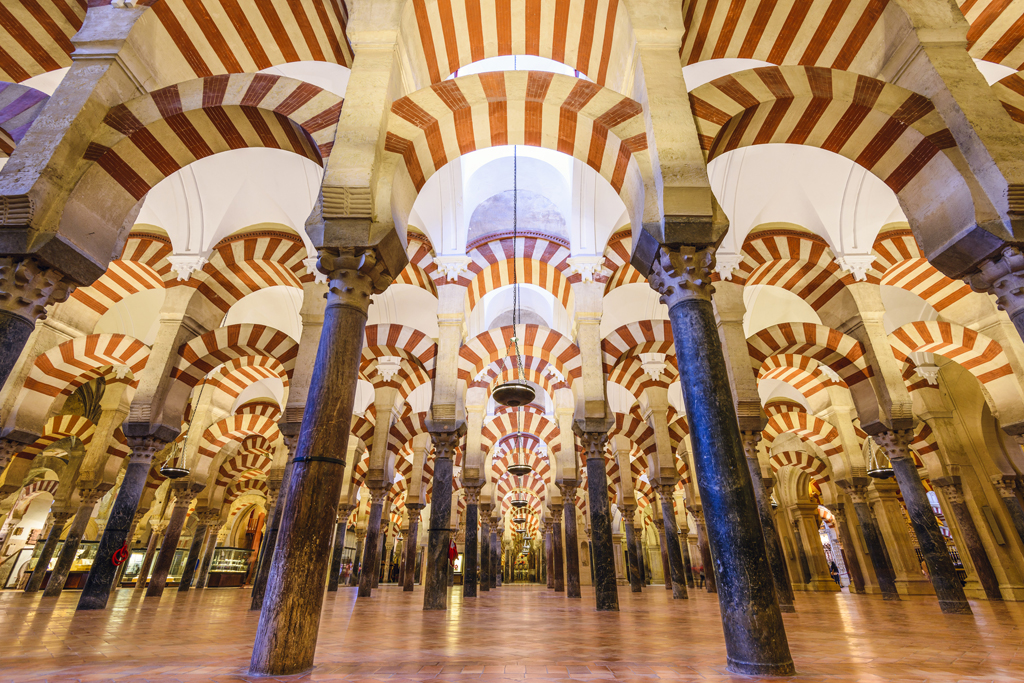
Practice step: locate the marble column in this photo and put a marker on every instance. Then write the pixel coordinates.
(411, 545)
(131, 538)
(184, 494)
(120, 522)
(203, 576)
(357, 561)
(383, 555)
(557, 551)
(59, 517)
(755, 635)
(204, 517)
(948, 589)
(290, 618)
(572, 545)
(801, 552)
(549, 555)
(496, 575)
(27, 286)
(1006, 489)
(684, 545)
(675, 576)
(147, 559)
(469, 563)
(632, 557)
(849, 550)
(277, 494)
(641, 556)
(705, 554)
(773, 546)
(953, 492)
(435, 589)
(873, 540)
(370, 573)
(605, 589)
(485, 542)
(344, 510)
(73, 539)
(666, 570)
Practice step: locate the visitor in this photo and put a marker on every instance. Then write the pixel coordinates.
(834, 571)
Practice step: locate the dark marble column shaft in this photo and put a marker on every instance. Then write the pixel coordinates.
(676, 574)
(776, 558)
(706, 560)
(948, 589)
(290, 618)
(411, 546)
(372, 545)
(334, 577)
(572, 543)
(606, 590)
(549, 556)
(60, 518)
(666, 570)
(269, 542)
(849, 550)
(14, 333)
(469, 560)
(641, 557)
(147, 559)
(684, 546)
(435, 589)
(632, 553)
(557, 551)
(496, 576)
(873, 540)
(1006, 490)
(801, 551)
(953, 493)
(485, 542)
(192, 559)
(119, 524)
(28, 287)
(203, 577)
(183, 497)
(72, 541)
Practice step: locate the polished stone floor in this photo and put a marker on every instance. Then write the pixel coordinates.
(512, 634)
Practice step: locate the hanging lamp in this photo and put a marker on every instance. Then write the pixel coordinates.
(879, 466)
(517, 391)
(175, 466)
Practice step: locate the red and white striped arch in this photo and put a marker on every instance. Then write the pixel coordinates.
(534, 261)
(30, 491)
(592, 36)
(807, 427)
(147, 139)
(839, 35)
(19, 107)
(601, 128)
(205, 38)
(841, 353)
(240, 488)
(892, 132)
(239, 373)
(250, 460)
(199, 356)
(233, 428)
(801, 460)
(267, 409)
(995, 31)
(482, 350)
(616, 259)
(417, 350)
(981, 356)
(644, 336)
(536, 370)
(420, 271)
(36, 36)
(247, 263)
(903, 264)
(506, 424)
(57, 428)
(630, 374)
(800, 372)
(143, 266)
(541, 466)
(798, 262)
(637, 431)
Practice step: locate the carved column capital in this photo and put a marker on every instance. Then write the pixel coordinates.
(144, 448)
(659, 524)
(159, 526)
(682, 273)
(61, 515)
(445, 443)
(8, 449)
(1002, 277)
(91, 496)
(28, 286)
(378, 495)
(858, 494)
(568, 489)
(1004, 486)
(953, 491)
(291, 442)
(344, 512)
(185, 492)
(353, 274)
(593, 444)
(750, 440)
(667, 491)
(896, 443)
(556, 514)
(207, 515)
(471, 493)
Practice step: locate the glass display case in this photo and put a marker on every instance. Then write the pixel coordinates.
(134, 566)
(229, 567)
(79, 569)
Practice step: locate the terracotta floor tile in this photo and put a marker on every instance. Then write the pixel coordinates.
(510, 635)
